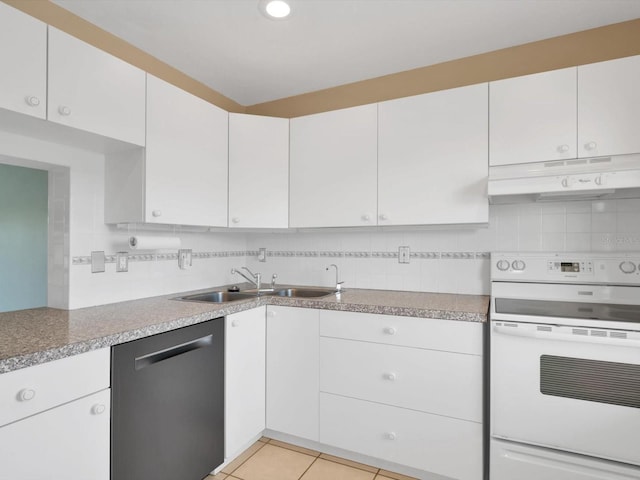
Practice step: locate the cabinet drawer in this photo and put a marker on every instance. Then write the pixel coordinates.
(435, 334)
(443, 383)
(433, 443)
(34, 389)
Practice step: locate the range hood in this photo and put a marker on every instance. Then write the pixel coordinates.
(562, 180)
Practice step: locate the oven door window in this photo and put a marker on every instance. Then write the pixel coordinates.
(613, 383)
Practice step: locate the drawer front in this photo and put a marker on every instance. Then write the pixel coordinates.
(435, 334)
(432, 381)
(437, 444)
(34, 389)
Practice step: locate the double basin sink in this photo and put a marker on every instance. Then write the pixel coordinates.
(223, 296)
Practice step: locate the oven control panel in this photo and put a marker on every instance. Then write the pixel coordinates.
(563, 266)
(569, 267)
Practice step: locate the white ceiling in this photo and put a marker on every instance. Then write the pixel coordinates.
(231, 47)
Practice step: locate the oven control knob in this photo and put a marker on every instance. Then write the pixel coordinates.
(627, 267)
(503, 265)
(518, 265)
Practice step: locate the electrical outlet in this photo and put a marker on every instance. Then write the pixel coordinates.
(184, 258)
(97, 262)
(262, 255)
(403, 254)
(122, 262)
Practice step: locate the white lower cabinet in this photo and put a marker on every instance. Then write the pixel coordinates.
(55, 419)
(70, 441)
(292, 371)
(244, 379)
(433, 443)
(404, 390)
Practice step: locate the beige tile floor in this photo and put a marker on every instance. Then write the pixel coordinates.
(270, 459)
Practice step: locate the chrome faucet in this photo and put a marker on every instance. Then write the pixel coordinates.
(256, 277)
(338, 283)
(273, 281)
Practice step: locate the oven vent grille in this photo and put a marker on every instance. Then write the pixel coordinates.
(580, 331)
(544, 328)
(618, 334)
(612, 383)
(598, 333)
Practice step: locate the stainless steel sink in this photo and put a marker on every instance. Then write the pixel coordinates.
(304, 292)
(218, 296)
(222, 296)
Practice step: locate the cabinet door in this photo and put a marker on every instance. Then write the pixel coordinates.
(186, 158)
(609, 107)
(258, 171)
(533, 118)
(333, 168)
(23, 56)
(432, 162)
(244, 378)
(292, 371)
(70, 441)
(92, 90)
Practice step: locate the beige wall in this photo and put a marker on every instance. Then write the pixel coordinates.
(598, 44)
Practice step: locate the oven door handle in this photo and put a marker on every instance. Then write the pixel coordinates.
(566, 335)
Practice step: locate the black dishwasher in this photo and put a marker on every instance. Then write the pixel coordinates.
(167, 393)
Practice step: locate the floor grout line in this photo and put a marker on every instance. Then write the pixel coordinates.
(314, 461)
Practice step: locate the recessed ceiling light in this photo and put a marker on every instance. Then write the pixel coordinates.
(276, 9)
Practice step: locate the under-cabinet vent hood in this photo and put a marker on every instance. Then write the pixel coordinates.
(576, 179)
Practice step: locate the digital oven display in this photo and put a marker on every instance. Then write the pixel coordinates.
(572, 267)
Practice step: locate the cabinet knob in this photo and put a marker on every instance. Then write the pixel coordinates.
(26, 394)
(390, 376)
(383, 216)
(235, 220)
(157, 213)
(590, 146)
(390, 330)
(235, 323)
(563, 148)
(271, 314)
(390, 435)
(32, 101)
(64, 110)
(366, 217)
(98, 409)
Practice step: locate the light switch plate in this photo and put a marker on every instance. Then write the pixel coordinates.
(403, 254)
(262, 254)
(184, 258)
(122, 262)
(97, 262)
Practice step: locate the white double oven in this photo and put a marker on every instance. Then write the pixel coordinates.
(565, 366)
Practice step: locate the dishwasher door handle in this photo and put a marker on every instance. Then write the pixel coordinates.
(167, 353)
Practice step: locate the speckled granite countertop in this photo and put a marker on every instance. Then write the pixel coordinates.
(31, 337)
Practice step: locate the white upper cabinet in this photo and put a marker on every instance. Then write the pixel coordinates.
(580, 112)
(92, 90)
(533, 118)
(333, 168)
(186, 158)
(609, 107)
(258, 171)
(23, 56)
(432, 160)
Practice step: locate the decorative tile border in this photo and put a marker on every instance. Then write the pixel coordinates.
(156, 257)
